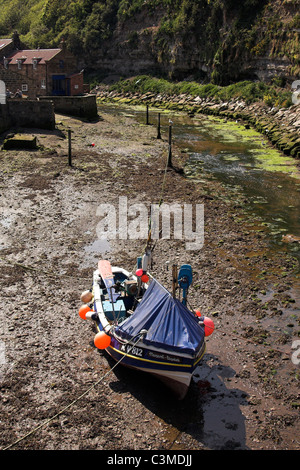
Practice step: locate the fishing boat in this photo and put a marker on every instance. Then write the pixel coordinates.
(144, 326)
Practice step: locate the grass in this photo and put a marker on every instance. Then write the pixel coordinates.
(246, 90)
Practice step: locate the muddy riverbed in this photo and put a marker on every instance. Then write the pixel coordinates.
(55, 394)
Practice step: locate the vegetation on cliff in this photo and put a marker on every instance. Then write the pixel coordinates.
(248, 91)
(220, 34)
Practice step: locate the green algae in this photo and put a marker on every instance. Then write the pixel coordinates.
(230, 158)
(270, 159)
(265, 156)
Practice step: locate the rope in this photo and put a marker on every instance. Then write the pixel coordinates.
(73, 402)
(159, 204)
(163, 185)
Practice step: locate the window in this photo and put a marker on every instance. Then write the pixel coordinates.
(43, 84)
(24, 87)
(20, 62)
(35, 62)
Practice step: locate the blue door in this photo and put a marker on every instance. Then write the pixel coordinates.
(58, 85)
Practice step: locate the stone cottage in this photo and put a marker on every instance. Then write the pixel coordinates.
(39, 72)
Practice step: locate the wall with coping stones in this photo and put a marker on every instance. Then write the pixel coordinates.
(280, 125)
(79, 106)
(27, 113)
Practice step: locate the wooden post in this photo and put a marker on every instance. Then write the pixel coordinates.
(170, 146)
(147, 114)
(70, 148)
(158, 127)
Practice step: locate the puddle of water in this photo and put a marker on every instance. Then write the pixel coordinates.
(98, 246)
(6, 221)
(241, 159)
(94, 251)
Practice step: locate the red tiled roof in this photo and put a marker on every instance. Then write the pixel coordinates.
(28, 55)
(5, 42)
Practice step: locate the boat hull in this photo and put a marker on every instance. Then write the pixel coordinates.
(175, 371)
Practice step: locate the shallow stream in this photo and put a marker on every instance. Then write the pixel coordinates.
(247, 165)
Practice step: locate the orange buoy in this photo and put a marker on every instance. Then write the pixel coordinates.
(208, 326)
(102, 340)
(139, 272)
(86, 296)
(84, 309)
(145, 278)
(197, 313)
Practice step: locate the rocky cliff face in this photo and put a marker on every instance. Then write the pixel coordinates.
(214, 40)
(131, 50)
(219, 43)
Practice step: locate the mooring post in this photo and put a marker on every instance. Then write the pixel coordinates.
(170, 145)
(147, 114)
(70, 148)
(158, 127)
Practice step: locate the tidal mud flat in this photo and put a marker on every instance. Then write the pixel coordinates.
(245, 394)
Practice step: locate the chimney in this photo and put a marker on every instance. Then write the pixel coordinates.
(16, 41)
(62, 45)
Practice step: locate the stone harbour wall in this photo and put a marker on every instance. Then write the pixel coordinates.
(79, 106)
(27, 113)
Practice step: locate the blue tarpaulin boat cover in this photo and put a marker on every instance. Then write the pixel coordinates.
(169, 324)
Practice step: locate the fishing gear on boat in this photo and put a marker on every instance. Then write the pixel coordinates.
(185, 278)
